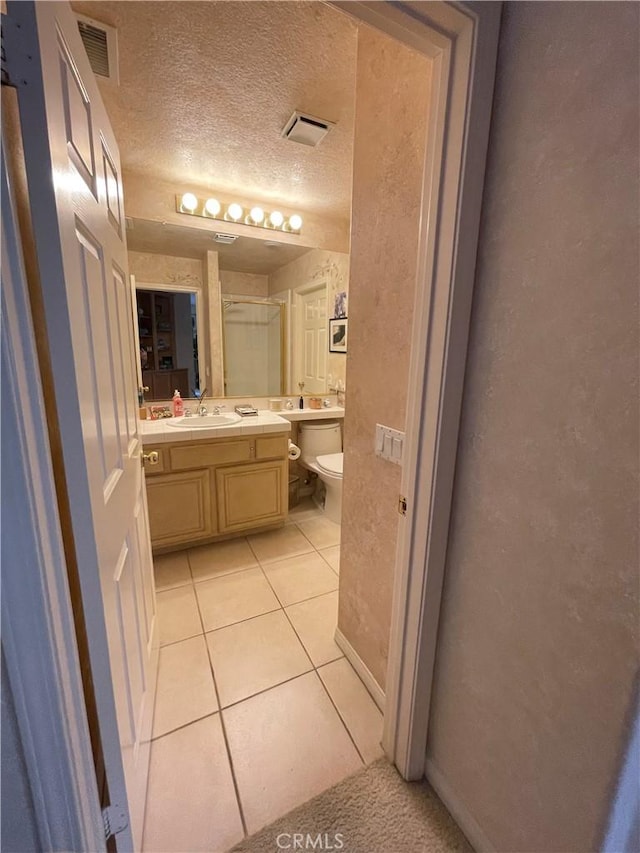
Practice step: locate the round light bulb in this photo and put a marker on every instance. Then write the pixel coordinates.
(295, 222)
(257, 215)
(212, 206)
(235, 210)
(276, 219)
(189, 202)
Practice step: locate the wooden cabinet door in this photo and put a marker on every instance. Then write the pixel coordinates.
(162, 385)
(179, 380)
(251, 495)
(180, 507)
(149, 380)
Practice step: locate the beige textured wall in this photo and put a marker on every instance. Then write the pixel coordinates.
(317, 265)
(538, 640)
(166, 269)
(244, 283)
(392, 89)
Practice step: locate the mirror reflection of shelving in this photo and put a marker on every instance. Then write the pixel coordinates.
(168, 343)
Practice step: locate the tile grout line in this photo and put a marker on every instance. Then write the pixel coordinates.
(311, 597)
(340, 717)
(286, 616)
(315, 670)
(337, 574)
(267, 689)
(248, 618)
(297, 524)
(324, 687)
(270, 561)
(217, 694)
(250, 568)
(186, 725)
(267, 612)
(293, 603)
(236, 789)
(315, 547)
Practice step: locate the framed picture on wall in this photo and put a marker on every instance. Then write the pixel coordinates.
(338, 329)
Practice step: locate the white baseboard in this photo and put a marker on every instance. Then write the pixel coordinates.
(377, 693)
(457, 808)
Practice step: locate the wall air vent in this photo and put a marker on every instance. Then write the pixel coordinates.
(226, 239)
(101, 43)
(306, 129)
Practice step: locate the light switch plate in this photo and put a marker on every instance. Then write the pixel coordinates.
(389, 444)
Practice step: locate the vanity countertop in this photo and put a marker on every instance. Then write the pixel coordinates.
(159, 432)
(328, 413)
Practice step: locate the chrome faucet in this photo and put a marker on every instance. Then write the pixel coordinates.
(202, 409)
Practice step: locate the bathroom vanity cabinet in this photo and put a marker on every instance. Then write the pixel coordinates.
(200, 491)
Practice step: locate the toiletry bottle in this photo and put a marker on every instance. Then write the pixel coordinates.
(301, 400)
(178, 405)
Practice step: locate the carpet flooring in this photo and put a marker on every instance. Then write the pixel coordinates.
(373, 811)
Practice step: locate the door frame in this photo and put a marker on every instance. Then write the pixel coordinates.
(462, 41)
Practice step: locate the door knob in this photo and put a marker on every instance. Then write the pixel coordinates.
(153, 457)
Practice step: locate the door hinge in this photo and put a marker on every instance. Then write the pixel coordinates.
(16, 58)
(115, 819)
(402, 505)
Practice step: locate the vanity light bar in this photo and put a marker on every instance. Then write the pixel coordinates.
(211, 208)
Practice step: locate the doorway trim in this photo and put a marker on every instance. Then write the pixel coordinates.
(462, 41)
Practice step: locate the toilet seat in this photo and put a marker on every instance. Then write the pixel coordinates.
(331, 463)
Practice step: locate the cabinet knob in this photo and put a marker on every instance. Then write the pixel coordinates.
(153, 457)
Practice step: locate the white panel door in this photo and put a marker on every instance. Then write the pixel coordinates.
(312, 340)
(75, 188)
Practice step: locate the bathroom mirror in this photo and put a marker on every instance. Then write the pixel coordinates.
(253, 350)
(259, 324)
(168, 326)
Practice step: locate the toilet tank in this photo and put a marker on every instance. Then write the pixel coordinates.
(318, 438)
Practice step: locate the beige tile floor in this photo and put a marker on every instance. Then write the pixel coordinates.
(257, 709)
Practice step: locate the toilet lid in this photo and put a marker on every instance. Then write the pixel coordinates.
(331, 463)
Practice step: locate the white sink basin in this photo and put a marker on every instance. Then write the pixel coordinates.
(204, 422)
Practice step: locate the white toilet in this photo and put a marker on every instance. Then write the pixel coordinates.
(321, 446)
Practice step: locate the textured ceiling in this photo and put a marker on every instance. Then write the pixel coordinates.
(245, 255)
(206, 87)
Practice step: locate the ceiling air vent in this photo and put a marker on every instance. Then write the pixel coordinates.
(306, 129)
(101, 43)
(226, 239)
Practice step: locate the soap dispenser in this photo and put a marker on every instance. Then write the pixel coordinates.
(178, 404)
